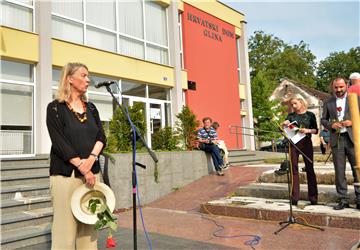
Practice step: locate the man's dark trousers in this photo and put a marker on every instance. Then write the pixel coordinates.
(215, 154)
(344, 148)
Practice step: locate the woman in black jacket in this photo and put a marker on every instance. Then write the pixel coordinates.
(77, 140)
(306, 123)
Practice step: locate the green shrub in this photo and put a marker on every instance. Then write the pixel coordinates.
(187, 127)
(119, 134)
(165, 139)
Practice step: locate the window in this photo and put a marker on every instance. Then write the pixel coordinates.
(137, 28)
(16, 102)
(17, 14)
(238, 58)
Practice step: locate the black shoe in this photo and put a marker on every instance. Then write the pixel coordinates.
(341, 205)
(313, 203)
(358, 206)
(294, 203)
(280, 172)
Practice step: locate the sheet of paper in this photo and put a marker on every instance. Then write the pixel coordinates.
(292, 132)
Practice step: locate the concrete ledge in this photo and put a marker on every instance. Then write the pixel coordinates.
(278, 210)
(175, 170)
(326, 193)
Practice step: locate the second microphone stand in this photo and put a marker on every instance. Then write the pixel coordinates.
(291, 218)
(135, 136)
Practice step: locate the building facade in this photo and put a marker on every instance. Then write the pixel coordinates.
(164, 54)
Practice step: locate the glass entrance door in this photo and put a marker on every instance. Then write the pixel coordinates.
(156, 118)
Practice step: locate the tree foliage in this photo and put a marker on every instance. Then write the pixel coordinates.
(277, 59)
(271, 59)
(186, 127)
(337, 64)
(265, 111)
(165, 139)
(119, 139)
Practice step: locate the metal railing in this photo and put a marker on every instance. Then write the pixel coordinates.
(243, 132)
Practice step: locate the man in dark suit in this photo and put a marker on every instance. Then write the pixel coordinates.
(336, 118)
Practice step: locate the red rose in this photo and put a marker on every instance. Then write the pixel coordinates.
(110, 242)
(339, 109)
(291, 126)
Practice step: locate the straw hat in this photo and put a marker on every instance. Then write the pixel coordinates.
(83, 194)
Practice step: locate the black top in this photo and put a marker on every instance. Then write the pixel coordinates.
(70, 138)
(305, 120)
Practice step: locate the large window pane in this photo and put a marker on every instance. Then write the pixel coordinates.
(56, 77)
(133, 89)
(155, 23)
(131, 18)
(98, 79)
(104, 105)
(101, 13)
(158, 93)
(67, 30)
(16, 16)
(157, 54)
(16, 71)
(101, 39)
(16, 102)
(68, 8)
(131, 47)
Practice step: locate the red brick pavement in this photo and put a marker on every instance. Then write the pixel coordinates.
(177, 215)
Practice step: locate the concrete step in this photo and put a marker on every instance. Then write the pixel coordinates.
(20, 203)
(279, 210)
(11, 192)
(22, 219)
(244, 160)
(25, 166)
(20, 172)
(234, 153)
(324, 175)
(26, 236)
(25, 160)
(326, 193)
(24, 179)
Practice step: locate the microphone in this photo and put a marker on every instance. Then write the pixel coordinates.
(104, 84)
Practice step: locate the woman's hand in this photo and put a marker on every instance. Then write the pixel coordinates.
(86, 165)
(90, 179)
(285, 123)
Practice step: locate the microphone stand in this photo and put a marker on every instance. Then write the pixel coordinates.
(291, 218)
(135, 136)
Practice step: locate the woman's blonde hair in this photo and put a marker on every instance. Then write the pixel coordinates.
(300, 98)
(64, 90)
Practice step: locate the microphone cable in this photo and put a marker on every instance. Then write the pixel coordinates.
(251, 243)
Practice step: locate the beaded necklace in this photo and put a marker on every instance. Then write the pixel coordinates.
(81, 117)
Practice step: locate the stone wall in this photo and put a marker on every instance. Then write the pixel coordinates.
(176, 169)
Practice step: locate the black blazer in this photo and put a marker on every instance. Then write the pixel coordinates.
(329, 115)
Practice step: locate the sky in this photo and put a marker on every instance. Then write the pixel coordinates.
(326, 26)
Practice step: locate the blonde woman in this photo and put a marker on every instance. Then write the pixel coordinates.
(306, 122)
(77, 139)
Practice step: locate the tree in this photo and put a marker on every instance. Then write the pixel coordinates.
(186, 127)
(262, 48)
(278, 59)
(119, 139)
(265, 112)
(337, 64)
